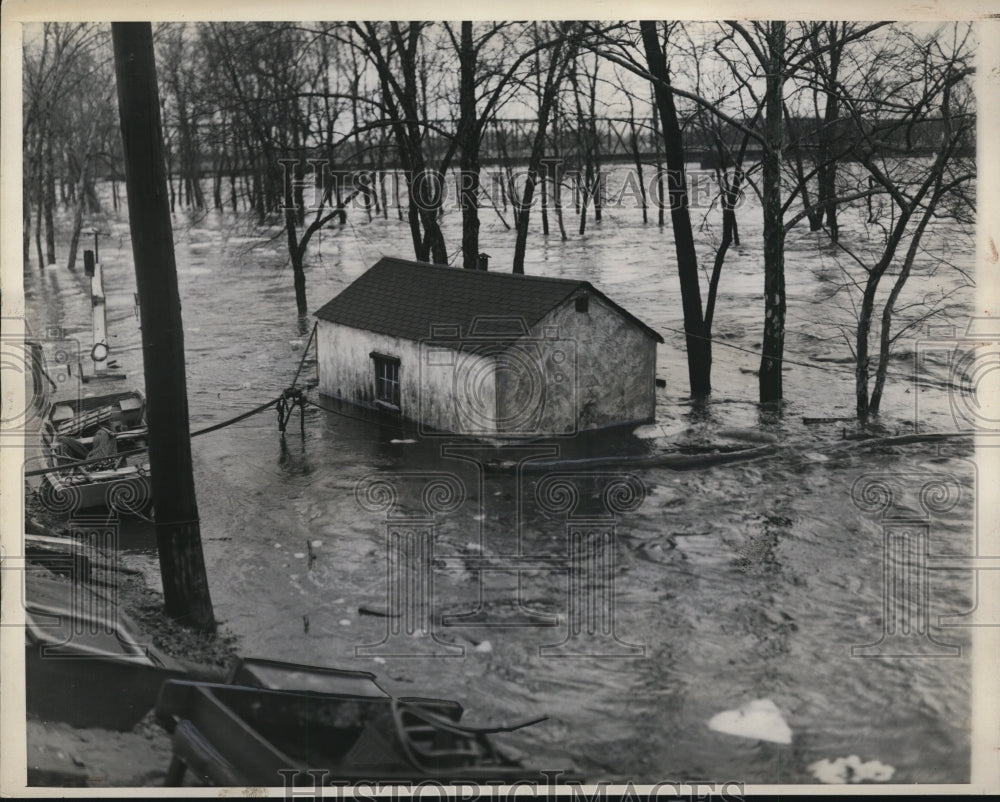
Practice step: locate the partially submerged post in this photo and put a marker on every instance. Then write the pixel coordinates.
(178, 534)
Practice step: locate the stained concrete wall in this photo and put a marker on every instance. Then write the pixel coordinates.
(615, 361)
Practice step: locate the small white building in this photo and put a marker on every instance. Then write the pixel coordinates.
(491, 355)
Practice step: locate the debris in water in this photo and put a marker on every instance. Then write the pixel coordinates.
(345, 622)
(403, 440)
(758, 719)
(305, 624)
(379, 660)
(748, 435)
(484, 646)
(299, 555)
(378, 612)
(851, 770)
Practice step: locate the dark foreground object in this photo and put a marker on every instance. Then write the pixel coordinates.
(86, 663)
(339, 725)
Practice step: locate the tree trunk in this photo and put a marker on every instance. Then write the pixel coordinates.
(885, 338)
(772, 351)
(829, 140)
(26, 233)
(552, 80)
(38, 233)
(74, 241)
(468, 143)
(50, 200)
(178, 534)
(699, 345)
(298, 267)
(862, 360)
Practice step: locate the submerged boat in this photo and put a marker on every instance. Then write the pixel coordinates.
(90, 440)
(86, 663)
(275, 722)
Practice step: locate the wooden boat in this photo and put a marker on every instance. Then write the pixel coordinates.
(118, 483)
(274, 720)
(81, 417)
(86, 663)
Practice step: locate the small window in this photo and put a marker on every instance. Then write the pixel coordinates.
(386, 379)
(582, 303)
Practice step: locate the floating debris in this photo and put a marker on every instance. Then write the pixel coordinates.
(403, 440)
(748, 435)
(758, 719)
(851, 770)
(484, 646)
(378, 612)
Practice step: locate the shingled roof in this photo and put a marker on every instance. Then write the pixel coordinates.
(404, 299)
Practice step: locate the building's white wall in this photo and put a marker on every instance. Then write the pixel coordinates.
(428, 390)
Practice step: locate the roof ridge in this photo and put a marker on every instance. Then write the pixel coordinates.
(494, 273)
(429, 293)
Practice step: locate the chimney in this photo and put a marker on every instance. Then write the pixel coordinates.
(484, 262)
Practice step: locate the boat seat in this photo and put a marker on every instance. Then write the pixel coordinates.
(85, 420)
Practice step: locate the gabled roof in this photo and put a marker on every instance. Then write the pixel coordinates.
(405, 299)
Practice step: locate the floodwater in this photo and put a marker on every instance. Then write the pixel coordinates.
(737, 582)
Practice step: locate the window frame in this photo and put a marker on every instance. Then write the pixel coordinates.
(387, 383)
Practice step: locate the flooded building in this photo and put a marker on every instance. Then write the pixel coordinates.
(491, 355)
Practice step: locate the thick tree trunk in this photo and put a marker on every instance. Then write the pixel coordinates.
(178, 534)
(772, 351)
(699, 345)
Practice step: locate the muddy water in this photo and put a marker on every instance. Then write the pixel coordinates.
(737, 582)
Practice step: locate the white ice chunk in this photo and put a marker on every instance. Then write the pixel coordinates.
(758, 719)
(851, 770)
